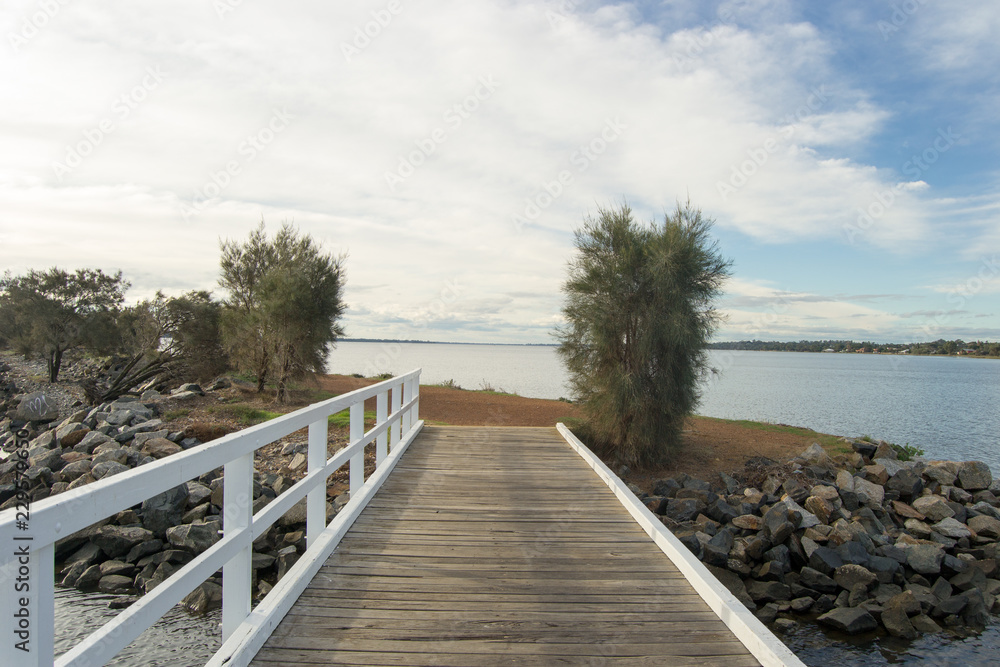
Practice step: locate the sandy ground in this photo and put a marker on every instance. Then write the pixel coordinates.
(710, 445)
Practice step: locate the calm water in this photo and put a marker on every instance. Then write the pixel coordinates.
(947, 406)
(177, 640)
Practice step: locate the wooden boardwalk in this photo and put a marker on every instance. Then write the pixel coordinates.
(497, 546)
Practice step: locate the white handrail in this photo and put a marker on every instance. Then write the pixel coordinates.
(27, 544)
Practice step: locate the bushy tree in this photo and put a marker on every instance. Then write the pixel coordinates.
(639, 317)
(164, 338)
(284, 306)
(47, 313)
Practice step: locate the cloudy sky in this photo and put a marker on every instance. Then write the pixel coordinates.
(846, 150)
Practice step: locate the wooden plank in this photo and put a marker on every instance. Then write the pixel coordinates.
(498, 546)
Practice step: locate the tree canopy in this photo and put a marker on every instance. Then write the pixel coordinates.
(284, 307)
(49, 312)
(639, 316)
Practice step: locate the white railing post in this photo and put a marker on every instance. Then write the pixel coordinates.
(397, 403)
(237, 574)
(357, 459)
(407, 395)
(381, 414)
(316, 499)
(416, 395)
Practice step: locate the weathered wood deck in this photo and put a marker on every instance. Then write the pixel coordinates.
(498, 546)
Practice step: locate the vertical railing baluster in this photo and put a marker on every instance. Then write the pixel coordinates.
(236, 515)
(407, 395)
(316, 499)
(416, 395)
(397, 401)
(358, 458)
(381, 416)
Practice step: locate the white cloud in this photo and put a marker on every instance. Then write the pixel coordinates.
(687, 116)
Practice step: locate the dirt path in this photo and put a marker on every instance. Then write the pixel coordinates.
(710, 445)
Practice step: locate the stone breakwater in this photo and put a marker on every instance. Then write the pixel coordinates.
(137, 549)
(862, 542)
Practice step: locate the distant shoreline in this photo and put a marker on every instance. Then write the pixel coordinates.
(439, 342)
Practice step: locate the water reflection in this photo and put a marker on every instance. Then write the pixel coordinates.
(178, 639)
(815, 645)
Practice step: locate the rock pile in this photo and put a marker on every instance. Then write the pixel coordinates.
(137, 549)
(860, 542)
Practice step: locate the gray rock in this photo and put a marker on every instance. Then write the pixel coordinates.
(91, 441)
(194, 537)
(777, 527)
(924, 558)
(75, 469)
(852, 620)
(197, 493)
(207, 597)
(118, 455)
(951, 528)
(767, 591)
(985, 526)
(88, 554)
(64, 430)
(165, 510)
(48, 458)
(817, 581)
(816, 455)
(36, 407)
(906, 483)
(825, 560)
(116, 541)
(925, 624)
(898, 623)
(974, 475)
(869, 493)
(893, 466)
(727, 579)
(933, 507)
(131, 432)
(89, 578)
(942, 472)
(850, 575)
(681, 510)
(107, 469)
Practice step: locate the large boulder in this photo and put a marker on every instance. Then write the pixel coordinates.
(165, 510)
(974, 475)
(868, 492)
(985, 526)
(36, 407)
(117, 541)
(925, 558)
(194, 537)
(852, 620)
(933, 507)
(849, 576)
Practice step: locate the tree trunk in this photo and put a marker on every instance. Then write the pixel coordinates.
(54, 362)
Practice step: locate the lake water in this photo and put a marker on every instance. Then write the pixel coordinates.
(947, 406)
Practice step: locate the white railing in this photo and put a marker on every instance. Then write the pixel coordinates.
(28, 536)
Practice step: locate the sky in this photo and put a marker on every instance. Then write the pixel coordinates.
(845, 149)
